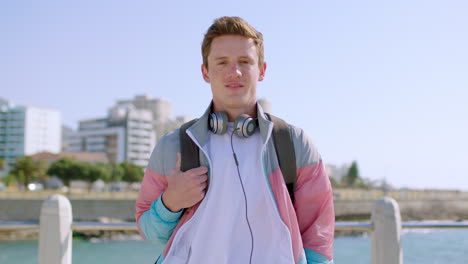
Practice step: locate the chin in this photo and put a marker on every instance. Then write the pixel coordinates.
(238, 103)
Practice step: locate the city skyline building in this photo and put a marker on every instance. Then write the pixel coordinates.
(125, 135)
(66, 132)
(27, 130)
(160, 108)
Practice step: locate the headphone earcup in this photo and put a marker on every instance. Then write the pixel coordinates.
(244, 126)
(218, 122)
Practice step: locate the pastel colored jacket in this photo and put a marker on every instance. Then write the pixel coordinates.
(310, 220)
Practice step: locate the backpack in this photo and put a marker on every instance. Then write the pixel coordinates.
(282, 140)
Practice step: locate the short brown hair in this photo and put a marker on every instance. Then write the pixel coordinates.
(231, 26)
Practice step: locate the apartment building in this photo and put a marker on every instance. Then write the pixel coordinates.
(26, 130)
(161, 110)
(126, 134)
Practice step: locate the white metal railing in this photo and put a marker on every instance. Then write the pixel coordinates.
(341, 195)
(131, 226)
(56, 225)
(435, 224)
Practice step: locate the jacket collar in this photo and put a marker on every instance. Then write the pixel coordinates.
(200, 128)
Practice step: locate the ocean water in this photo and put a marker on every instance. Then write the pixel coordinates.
(419, 246)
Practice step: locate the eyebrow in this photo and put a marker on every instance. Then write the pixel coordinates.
(225, 57)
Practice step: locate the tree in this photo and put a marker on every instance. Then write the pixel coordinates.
(132, 172)
(97, 171)
(65, 169)
(117, 172)
(69, 169)
(26, 170)
(352, 177)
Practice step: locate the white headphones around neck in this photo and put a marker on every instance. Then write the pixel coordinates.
(244, 125)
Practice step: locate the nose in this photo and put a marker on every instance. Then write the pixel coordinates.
(234, 70)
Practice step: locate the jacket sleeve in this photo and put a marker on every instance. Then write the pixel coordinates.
(154, 221)
(314, 203)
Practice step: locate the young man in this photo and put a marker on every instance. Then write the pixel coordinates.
(235, 207)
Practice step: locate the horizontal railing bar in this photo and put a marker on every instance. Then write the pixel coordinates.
(13, 226)
(435, 224)
(354, 226)
(131, 226)
(85, 226)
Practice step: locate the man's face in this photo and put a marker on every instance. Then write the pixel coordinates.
(233, 72)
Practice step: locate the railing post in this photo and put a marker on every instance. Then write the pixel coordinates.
(386, 246)
(55, 233)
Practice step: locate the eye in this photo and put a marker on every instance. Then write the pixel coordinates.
(244, 61)
(221, 63)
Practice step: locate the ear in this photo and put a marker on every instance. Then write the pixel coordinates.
(204, 71)
(262, 72)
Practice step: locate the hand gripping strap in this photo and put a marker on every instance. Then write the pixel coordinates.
(284, 147)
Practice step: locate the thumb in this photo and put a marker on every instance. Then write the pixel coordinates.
(178, 161)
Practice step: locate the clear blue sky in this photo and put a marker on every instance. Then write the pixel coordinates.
(384, 83)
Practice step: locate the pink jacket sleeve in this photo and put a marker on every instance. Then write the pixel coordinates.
(314, 209)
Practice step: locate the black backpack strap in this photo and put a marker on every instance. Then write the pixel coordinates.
(284, 147)
(189, 152)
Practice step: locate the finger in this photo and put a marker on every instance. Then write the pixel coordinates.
(178, 161)
(203, 178)
(202, 193)
(198, 171)
(203, 185)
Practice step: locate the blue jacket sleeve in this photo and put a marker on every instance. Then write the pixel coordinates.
(158, 223)
(316, 258)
